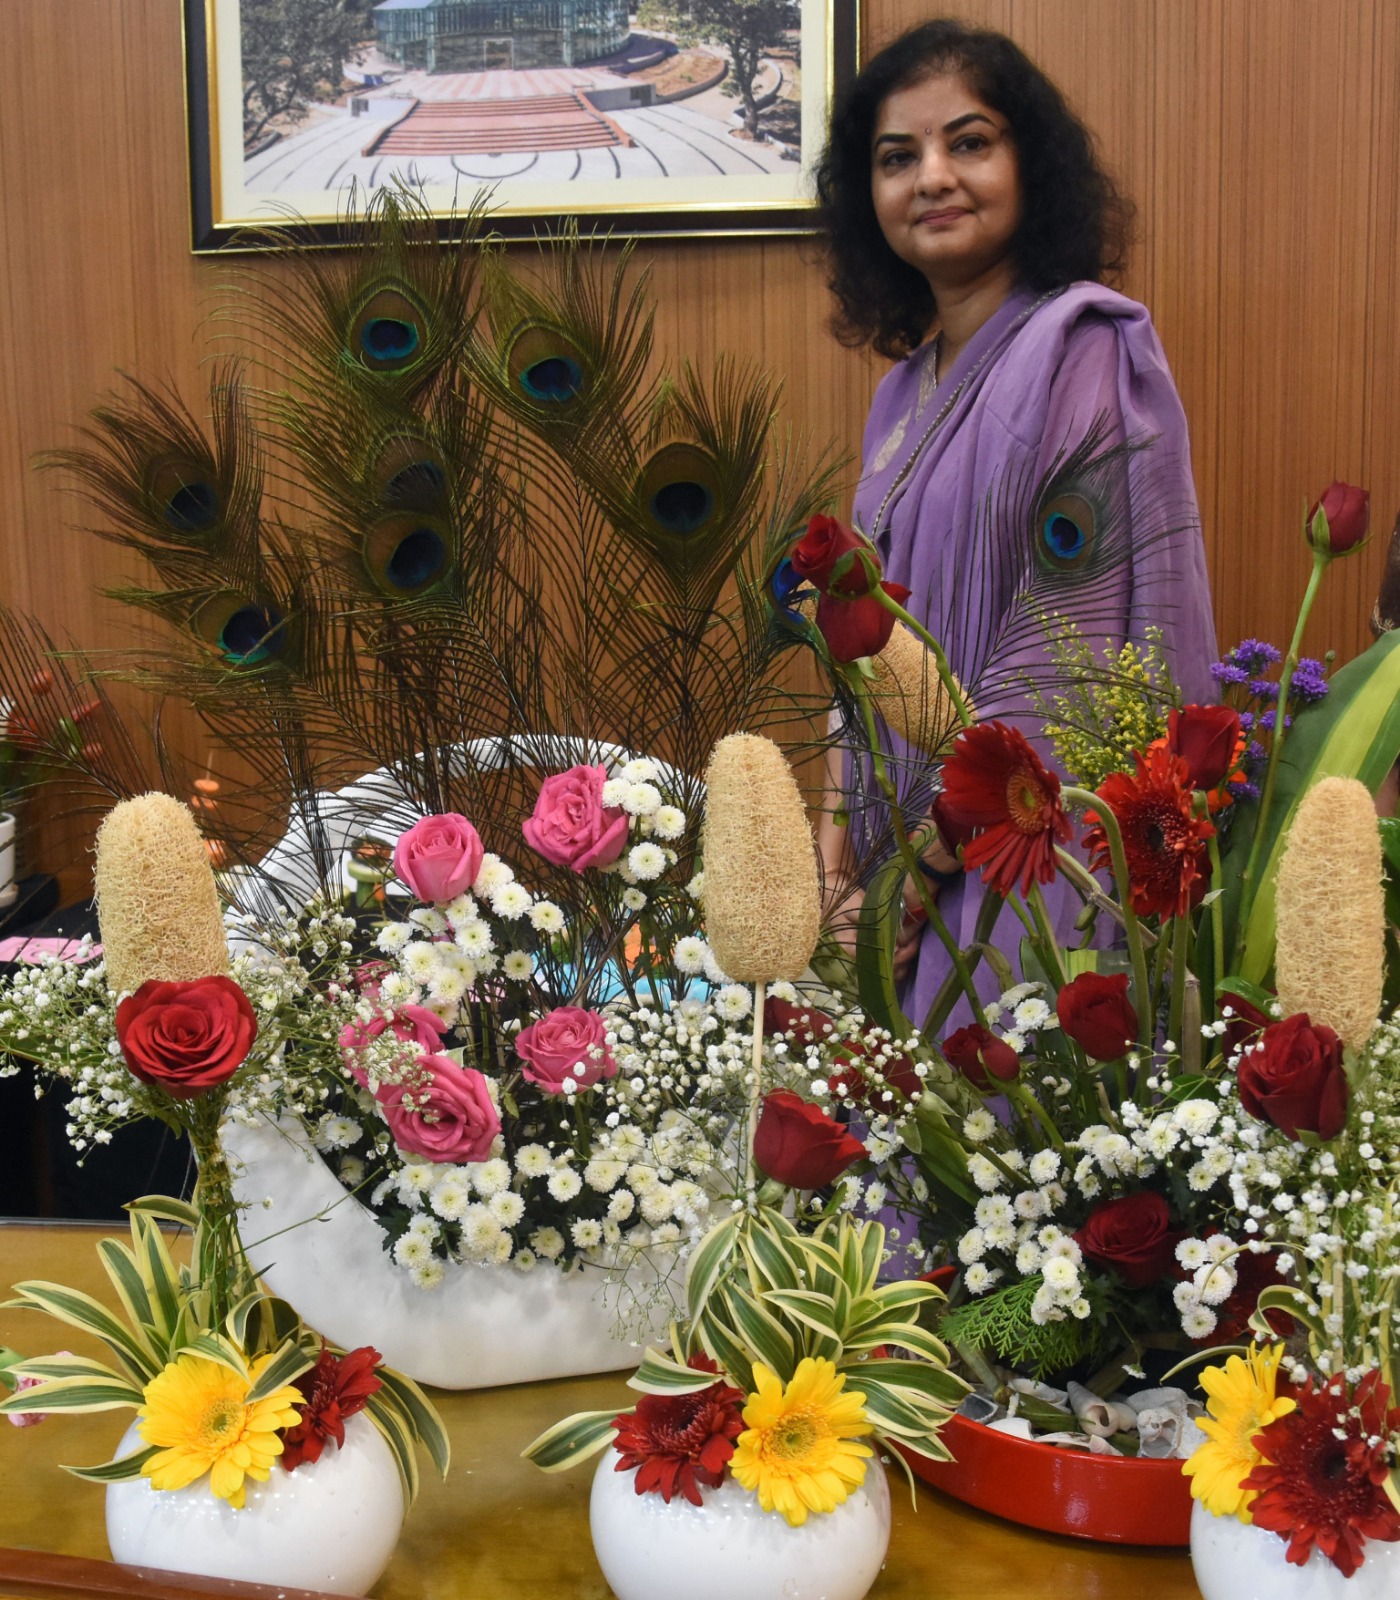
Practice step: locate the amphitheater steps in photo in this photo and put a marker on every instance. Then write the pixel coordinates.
(497, 127)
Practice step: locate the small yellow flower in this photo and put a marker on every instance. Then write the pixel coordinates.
(1241, 1401)
(799, 1452)
(198, 1410)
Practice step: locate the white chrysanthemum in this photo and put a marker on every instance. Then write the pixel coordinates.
(490, 1177)
(979, 1125)
(689, 956)
(979, 1277)
(1028, 1258)
(733, 1002)
(546, 917)
(480, 1230)
(518, 965)
(1214, 1283)
(413, 1250)
(511, 901)
(1045, 1164)
(1031, 1014)
(396, 990)
(587, 1234)
(634, 900)
(493, 874)
(428, 1275)
(1030, 1204)
(993, 1210)
(428, 919)
(475, 940)
(351, 1172)
(622, 1205)
(987, 1177)
(713, 971)
(564, 1183)
(641, 1177)
(640, 769)
(507, 1208)
(338, 1133)
(1000, 1236)
(656, 1203)
(448, 985)
(460, 911)
(451, 1199)
(1192, 1253)
(1198, 1322)
(641, 799)
(533, 1161)
(1061, 1276)
(419, 1176)
(419, 962)
(547, 1242)
(696, 887)
(972, 1246)
(392, 937)
(668, 822)
(501, 1249)
(1196, 1117)
(646, 861)
(604, 1173)
(614, 792)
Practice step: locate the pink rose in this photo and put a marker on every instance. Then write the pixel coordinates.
(569, 1043)
(408, 1022)
(452, 1119)
(439, 857)
(571, 826)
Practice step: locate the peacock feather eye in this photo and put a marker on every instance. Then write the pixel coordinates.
(184, 494)
(1066, 531)
(409, 475)
(389, 332)
(545, 365)
(408, 553)
(679, 489)
(246, 633)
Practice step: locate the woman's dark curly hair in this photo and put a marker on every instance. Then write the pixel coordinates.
(1075, 223)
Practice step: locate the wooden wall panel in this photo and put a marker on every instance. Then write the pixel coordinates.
(1261, 139)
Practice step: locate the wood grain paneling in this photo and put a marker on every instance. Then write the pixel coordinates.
(1261, 139)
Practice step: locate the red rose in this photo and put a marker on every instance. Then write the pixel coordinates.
(851, 1077)
(1133, 1236)
(861, 627)
(1348, 513)
(799, 1145)
(1294, 1078)
(976, 1051)
(1206, 738)
(186, 1038)
(826, 544)
(803, 1024)
(1242, 1027)
(1096, 1013)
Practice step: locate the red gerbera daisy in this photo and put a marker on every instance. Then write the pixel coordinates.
(1164, 841)
(335, 1388)
(995, 783)
(1321, 1480)
(677, 1442)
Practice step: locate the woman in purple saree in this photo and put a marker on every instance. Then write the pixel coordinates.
(1026, 459)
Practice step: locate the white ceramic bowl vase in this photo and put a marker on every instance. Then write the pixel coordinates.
(1237, 1561)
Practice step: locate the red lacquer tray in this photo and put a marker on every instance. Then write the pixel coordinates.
(1110, 1499)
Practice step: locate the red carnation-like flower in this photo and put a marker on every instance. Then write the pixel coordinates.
(678, 1442)
(1164, 841)
(1321, 1480)
(995, 783)
(335, 1389)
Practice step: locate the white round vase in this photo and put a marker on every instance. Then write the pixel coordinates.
(729, 1546)
(331, 1525)
(1236, 1561)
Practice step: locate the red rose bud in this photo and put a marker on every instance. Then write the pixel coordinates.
(825, 543)
(1294, 1078)
(1206, 738)
(856, 628)
(851, 1080)
(186, 1038)
(979, 1055)
(799, 1145)
(1096, 1013)
(1346, 512)
(1132, 1237)
(804, 1024)
(1243, 1026)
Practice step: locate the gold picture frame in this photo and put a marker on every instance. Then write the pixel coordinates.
(567, 112)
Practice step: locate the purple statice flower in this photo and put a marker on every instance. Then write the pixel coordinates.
(1266, 722)
(1247, 790)
(1227, 672)
(1309, 683)
(1246, 721)
(1254, 753)
(1255, 654)
(1263, 689)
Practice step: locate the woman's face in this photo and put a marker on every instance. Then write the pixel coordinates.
(945, 181)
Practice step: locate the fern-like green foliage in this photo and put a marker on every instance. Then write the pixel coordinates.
(1001, 1322)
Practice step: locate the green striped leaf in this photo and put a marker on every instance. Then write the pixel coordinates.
(901, 1416)
(572, 1440)
(761, 1332)
(902, 1335)
(709, 1260)
(772, 1265)
(394, 1426)
(659, 1374)
(165, 1208)
(122, 1470)
(724, 1346)
(877, 929)
(74, 1394)
(125, 1277)
(811, 1309)
(247, 1310)
(162, 1280)
(427, 1424)
(67, 1366)
(905, 1296)
(80, 1310)
(910, 1378)
(872, 1256)
(214, 1347)
(285, 1367)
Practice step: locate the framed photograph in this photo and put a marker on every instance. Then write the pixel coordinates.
(632, 117)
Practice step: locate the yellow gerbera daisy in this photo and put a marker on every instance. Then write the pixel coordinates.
(1242, 1400)
(198, 1410)
(799, 1451)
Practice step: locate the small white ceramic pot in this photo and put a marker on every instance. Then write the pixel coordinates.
(330, 1525)
(1236, 1561)
(730, 1546)
(9, 889)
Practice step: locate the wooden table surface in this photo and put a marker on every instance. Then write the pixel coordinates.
(500, 1528)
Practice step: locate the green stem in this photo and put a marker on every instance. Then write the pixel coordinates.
(755, 1085)
(1044, 939)
(1136, 953)
(1181, 955)
(1023, 1098)
(1217, 919)
(1262, 831)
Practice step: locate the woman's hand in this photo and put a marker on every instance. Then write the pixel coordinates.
(911, 930)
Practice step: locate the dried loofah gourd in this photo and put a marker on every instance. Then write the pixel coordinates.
(909, 694)
(762, 895)
(157, 905)
(1331, 911)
